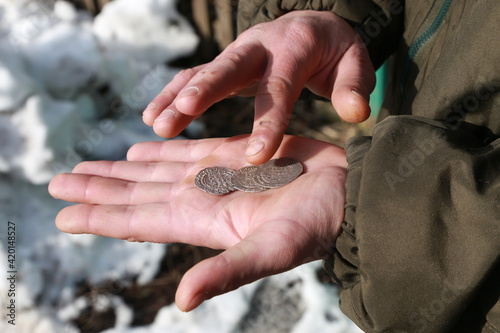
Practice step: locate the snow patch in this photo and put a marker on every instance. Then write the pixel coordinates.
(72, 88)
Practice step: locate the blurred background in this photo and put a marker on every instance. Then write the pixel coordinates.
(75, 77)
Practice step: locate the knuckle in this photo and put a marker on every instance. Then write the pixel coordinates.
(302, 31)
(303, 28)
(278, 124)
(186, 73)
(278, 85)
(81, 167)
(232, 59)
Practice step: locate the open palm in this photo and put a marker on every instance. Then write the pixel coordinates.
(152, 197)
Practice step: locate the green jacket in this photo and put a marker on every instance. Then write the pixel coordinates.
(419, 250)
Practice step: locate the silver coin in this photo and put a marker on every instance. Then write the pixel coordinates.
(278, 172)
(244, 179)
(215, 180)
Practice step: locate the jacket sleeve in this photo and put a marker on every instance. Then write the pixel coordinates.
(420, 245)
(379, 23)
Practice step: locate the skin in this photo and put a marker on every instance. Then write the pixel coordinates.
(152, 196)
(273, 61)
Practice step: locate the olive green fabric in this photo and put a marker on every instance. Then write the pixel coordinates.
(420, 247)
(421, 233)
(455, 75)
(378, 23)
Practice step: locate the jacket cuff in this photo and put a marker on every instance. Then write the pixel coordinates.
(420, 242)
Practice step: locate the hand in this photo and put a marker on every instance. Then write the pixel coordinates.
(152, 197)
(274, 61)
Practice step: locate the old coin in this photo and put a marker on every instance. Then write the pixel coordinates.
(244, 179)
(278, 172)
(215, 180)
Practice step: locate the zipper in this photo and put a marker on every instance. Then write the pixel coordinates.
(424, 38)
(427, 35)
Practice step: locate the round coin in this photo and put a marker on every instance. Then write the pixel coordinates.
(244, 179)
(215, 180)
(278, 172)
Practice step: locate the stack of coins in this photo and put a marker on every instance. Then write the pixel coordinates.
(273, 174)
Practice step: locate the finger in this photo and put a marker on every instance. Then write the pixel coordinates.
(136, 171)
(189, 151)
(167, 95)
(278, 91)
(354, 81)
(195, 90)
(151, 222)
(138, 223)
(102, 190)
(171, 122)
(243, 263)
(173, 150)
(234, 69)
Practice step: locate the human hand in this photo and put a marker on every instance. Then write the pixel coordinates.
(274, 61)
(152, 197)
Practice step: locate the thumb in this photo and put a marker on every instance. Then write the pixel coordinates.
(354, 81)
(241, 264)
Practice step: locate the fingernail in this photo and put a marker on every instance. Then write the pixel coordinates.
(191, 91)
(355, 91)
(167, 114)
(254, 147)
(151, 107)
(195, 302)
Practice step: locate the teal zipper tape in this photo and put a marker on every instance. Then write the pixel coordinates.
(429, 33)
(424, 38)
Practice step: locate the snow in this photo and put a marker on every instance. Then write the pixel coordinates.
(224, 313)
(164, 34)
(72, 88)
(69, 70)
(46, 127)
(16, 84)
